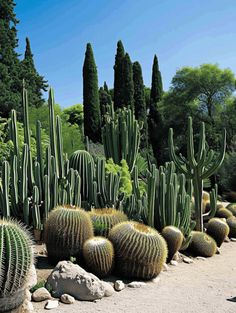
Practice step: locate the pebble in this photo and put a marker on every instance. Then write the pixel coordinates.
(41, 294)
(119, 285)
(233, 239)
(109, 290)
(176, 256)
(136, 284)
(187, 260)
(165, 267)
(156, 280)
(67, 299)
(173, 262)
(51, 304)
(217, 250)
(227, 239)
(28, 295)
(201, 258)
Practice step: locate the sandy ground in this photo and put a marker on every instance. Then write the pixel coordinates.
(205, 286)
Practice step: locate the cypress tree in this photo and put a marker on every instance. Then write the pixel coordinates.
(105, 100)
(128, 84)
(92, 116)
(118, 76)
(33, 81)
(155, 121)
(139, 102)
(10, 83)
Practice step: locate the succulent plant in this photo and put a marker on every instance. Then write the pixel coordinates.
(66, 230)
(140, 251)
(232, 208)
(223, 213)
(16, 258)
(98, 253)
(174, 239)
(202, 244)
(231, 221)
(218, 229)
(104, 219)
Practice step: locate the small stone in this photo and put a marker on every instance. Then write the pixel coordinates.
(187, 260)
(31, 278)
(165, 267)
(156, 280)
(136, 284)
(227, 239)
(51, 304)
(233, 239)
(217, 250)
(41, 294)
(176, 256)
(201, 258)
(173, 262)
(67, 299)
(109, 290)
(119, 285)
(28, 295)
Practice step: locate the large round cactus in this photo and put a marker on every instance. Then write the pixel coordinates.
(140, 251)
(202, 244)
(98, 254)
(218, 229)
(66, 230)
(223, 213)
(174, 239)
(16, 258)
(104, 219)
(232, 208)
(231, 221)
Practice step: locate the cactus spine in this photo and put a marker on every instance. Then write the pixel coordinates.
(197, 166)
(98, 253)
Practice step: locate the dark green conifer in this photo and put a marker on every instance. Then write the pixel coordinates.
(92, 116)
(128, 84)
(118, 76)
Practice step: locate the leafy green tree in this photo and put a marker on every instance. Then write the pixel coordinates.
(128, 84)
(155, 120)
(139, 103)
(34, 83)
(74, 115)
(118, 76)
(10, 83)
(92, 116)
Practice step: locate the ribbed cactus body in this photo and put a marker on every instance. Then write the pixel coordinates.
(66, 230)
(104, 219)
(174, 238)
(140, 251)
(223, 213)
(16, 258)
(98, 254)
(218, 229)
(202, 244)
(231, 221)
(232, 208)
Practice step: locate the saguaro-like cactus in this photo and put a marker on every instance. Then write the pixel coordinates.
(197, 166)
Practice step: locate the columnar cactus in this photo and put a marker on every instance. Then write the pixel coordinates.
(66, 230)
(16, 258)
(197, 166)
(140, 251)
(98, 253)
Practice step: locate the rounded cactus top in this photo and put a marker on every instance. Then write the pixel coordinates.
(136, 227)
(107, 211)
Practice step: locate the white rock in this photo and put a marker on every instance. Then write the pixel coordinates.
(233, 239)
(187, 260)
(67, 299)
(173, 263)
(227, 239)
(176, 256)
(136, 284)
(32, 277)
(165, 267)
(41, 294)
(156, 280)
(201, 258)
(72, 279)
(109, 290)
(51, 304)
(119, 285)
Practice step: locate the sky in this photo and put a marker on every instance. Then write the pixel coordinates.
(180, 32)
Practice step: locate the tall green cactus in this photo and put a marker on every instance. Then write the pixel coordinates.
(16, 258)
(121, 137)
(197, 166)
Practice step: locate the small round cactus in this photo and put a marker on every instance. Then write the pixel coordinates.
(218, 229)
(232, 208)
(174, 239)
(16, 258)
(223, 213)
(98, 254)
(104, 219)
(202, 244)
(231, 221)
(140, 251)
(66, 230)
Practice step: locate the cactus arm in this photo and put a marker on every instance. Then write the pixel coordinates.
(59, 148)
(190, 145)
(5, 189)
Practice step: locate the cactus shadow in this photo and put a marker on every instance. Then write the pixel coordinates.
(42, 263)
(232, 299)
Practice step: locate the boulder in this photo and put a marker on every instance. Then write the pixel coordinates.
(72, 279)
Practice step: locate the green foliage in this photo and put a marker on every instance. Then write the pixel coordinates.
(140, 251)
(227, 172)
(218, 229)
(118, 76)
(202, 244)
(128, 84)
(92, 115)
(74, 115)
(73, 228)
(98, 253)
